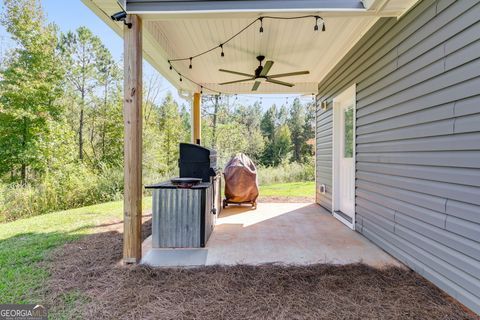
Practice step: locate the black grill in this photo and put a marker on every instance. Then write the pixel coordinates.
(197, 162)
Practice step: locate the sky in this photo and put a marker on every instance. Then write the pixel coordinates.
(71, 14)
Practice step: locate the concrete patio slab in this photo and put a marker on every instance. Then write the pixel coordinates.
(282, 233)
(175, 257)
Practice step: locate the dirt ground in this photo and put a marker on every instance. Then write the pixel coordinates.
(88, 282)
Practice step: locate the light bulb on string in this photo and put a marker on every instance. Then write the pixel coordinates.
(318, 19)
(222, 54)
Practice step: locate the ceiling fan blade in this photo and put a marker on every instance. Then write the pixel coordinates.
(236, 81)
(268, 65)
(298, 73)
(237, 73)
(281, 83)
(256, 85)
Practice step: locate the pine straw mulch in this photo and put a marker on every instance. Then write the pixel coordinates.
(88, 282)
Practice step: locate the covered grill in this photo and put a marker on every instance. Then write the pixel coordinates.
(241, 183)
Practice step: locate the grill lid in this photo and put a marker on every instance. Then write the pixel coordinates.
(185, 182)
(193, 153)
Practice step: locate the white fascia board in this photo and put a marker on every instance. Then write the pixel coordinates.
(380, 7)
(209, 6)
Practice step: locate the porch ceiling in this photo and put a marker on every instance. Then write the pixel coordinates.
(292, 44)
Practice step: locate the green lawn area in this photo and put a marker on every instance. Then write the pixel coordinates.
(291, 189)
(27, 241)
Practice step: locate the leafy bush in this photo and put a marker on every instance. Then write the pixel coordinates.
(75, 186)
(287, 172)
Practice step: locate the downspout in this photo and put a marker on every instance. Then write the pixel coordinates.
(188, 95)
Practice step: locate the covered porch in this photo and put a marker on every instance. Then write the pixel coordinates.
(212, 48)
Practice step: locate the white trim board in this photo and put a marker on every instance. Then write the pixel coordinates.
(346, 94)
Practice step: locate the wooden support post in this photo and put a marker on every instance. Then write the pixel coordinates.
(132, 114)
(197, 124)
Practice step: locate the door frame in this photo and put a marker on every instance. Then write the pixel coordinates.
(336, 136)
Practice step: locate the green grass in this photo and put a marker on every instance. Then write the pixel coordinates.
(25, 242)
(292, 189)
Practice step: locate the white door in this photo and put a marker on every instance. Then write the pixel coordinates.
(344, 157)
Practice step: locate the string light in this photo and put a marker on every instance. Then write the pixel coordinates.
(316, 23)
(192, 81)
(222, 53)
(228, 40)
(316, 17)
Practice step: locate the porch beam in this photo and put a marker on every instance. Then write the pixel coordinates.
(197, 121)
(162, 6)
(132, 113)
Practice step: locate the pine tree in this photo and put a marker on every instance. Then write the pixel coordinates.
(171, 126)
(296, 123)
(30, 86)
(278, 141)
(308, 146)
(250, 117)
(269, 122)
(82, 53)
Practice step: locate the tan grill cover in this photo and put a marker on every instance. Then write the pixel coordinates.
(241, 184)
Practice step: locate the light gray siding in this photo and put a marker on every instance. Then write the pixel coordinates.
(418, 141)
(324, 157)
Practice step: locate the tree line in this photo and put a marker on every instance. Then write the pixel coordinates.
(61, 124)
(270, 137)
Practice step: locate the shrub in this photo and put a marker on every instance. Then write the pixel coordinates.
(288, 172)
(75, 186)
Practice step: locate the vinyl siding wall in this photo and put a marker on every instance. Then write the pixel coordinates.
(324, 154)
(418, 141)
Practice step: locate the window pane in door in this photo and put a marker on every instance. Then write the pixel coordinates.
(348, 133)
